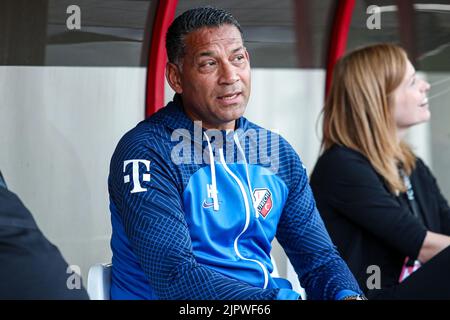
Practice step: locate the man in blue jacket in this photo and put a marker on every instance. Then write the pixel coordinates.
(198, 193)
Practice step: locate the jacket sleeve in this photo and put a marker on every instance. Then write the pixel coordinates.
(2, 181)
(302, 234)
(444, 209)
(155, 225)
(353, 188)
(32, 268)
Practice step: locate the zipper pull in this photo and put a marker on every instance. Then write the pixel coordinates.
(212, 193)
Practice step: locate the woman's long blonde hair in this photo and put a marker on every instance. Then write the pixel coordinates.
(359, 111)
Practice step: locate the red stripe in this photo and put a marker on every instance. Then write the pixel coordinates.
(339, 36)
(157, 57)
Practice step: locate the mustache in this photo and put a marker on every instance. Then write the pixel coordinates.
(230, 91)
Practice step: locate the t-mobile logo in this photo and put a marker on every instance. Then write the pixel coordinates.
(136, 182)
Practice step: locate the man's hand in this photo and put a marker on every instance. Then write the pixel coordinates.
(357, 297)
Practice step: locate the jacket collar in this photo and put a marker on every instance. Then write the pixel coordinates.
(174, 117)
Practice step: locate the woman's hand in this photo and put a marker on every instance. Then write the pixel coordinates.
(432, 245)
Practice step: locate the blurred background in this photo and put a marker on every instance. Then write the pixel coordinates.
(67, 96)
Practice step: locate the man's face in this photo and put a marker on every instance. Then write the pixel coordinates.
(214, 81)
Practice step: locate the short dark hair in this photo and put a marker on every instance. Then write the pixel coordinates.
(190, 21)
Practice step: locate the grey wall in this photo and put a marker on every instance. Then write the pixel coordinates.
(440, 128)
(58, 129)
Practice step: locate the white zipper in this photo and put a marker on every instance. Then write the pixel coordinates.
(212, 190)
(247, 219)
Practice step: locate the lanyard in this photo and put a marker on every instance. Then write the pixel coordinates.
(412, 203)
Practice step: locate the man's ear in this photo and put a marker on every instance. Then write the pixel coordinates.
(173, 76)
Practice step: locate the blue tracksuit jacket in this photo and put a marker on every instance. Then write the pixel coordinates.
(194, 217)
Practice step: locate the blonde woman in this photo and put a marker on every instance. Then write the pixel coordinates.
(380, 202)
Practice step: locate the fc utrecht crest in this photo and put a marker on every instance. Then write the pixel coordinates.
(264, 203)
